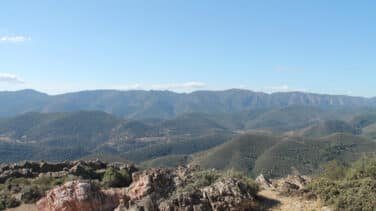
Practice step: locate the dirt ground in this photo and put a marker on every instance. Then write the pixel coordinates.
(24, 207)
(275, 202)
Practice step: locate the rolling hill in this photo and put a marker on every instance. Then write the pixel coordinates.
(370, 131)
(59, 129)
(363, 120)
(325, 128)
(239, 153)
(279, 156)
(71, 135)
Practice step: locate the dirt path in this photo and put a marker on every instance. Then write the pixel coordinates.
(289, 203)
(24, 207)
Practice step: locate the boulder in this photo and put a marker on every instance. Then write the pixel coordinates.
(17, 173)
(292, 185)
(153, 181)
(57, 174)
(79, 196)
(53, 167)
(33, 166)
(96, 164)
(229, 194)
(264, 182)
(83, 171)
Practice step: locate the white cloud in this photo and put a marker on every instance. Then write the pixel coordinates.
(14, 39)
(9, 78)
(125, 87)
(186, 86)
(179, 86)
(281, 88)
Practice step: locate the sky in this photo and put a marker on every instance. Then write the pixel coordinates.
(58, 46)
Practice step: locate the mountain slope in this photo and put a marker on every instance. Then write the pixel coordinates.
(364, 120)
(71, 135)
(18, 102)
(370, 131)
(325, 128)
(59, 128)
(279, 156)
(239, 153)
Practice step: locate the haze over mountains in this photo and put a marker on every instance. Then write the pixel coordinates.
(166, 104)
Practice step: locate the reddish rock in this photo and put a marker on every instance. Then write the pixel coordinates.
(158, 189)
(79, 196)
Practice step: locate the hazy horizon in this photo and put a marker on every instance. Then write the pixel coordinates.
(186, 92)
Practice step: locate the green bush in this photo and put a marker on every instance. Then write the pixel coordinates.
(363, 168)
(333, 170)
(116, 178)
(206, 178)
(31, 194)
(7, 201)
(15, 185)
(354, 191)
(252, 185)
(200, 179)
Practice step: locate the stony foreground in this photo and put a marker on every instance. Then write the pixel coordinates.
(155, 189)
(99, 186)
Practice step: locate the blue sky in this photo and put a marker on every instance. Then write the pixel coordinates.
(318, 46)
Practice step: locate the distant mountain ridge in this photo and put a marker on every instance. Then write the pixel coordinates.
(166, 104)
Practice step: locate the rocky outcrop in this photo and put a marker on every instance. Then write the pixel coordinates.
(292, 185)
(35, 178)
(76, 195)
(16, 173)
(264, 182)
(229, 194)
(82, 169)
(156, 190)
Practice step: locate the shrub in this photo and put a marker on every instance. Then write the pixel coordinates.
(31, 194)
(206, 178)
(199, 180)
(357, 195)
(7, 201)
(355, 191)
(363, 168)
(333, 170)
(252, 185)
(15, 185)
(115, 178)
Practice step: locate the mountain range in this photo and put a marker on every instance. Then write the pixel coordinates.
(273, 134)
(166, 104)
